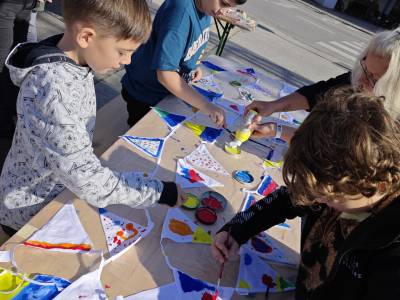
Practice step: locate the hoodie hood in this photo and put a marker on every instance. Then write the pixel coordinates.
(24, 57)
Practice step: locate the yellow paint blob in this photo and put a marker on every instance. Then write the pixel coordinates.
(272, 164)
(243, 135)
(232, 150)
(192, 202)
(244, 284)
(197, 129)
(200, 236)
(180, 227)
(9, 282)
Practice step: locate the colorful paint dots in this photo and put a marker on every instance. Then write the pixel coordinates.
(214, 201)
(243, 177)
(235, 83)
(206, 215)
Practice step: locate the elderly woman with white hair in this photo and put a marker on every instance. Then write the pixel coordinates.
(376, 70)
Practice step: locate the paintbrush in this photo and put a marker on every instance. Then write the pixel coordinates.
(221, 270)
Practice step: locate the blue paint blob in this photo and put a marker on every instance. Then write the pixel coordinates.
(243, 177)
(212, 66)
(190, 284)
(43, 292)
(247, 259)
(102, 211)
(210, 134)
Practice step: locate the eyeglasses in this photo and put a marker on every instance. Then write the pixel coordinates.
(372, 81)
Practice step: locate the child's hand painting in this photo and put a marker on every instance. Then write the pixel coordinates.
(217, 115)
(223, 247)
(182, 197)
(263, 108)
(198, 74)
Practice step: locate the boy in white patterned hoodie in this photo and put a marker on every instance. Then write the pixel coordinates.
(52, 147)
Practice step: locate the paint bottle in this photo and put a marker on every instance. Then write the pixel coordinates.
(241, 135)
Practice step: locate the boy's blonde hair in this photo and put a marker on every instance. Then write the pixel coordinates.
(348, 145)
(385, 44)
(123, 19)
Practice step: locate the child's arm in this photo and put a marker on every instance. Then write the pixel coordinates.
(54, 120)
(178, 87)
(272, 210)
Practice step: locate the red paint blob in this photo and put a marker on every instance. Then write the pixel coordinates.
(206, 215)
(260, 245)
(268, 281)
(212, 203)
(207, 296)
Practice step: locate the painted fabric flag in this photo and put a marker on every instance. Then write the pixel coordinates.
(265, 246)
(181, 229)
(150, 146)
(255, 276)
(267, 186)
(120, 233)
(43, 287)
(188, 177)
(212, 66)
(64, 232)
(208, 87)
(231, 106)
(190, 288)
(247, 71)
(203, 159)
(88, 286)
(165, 292)
(207, 134)
(172, 120)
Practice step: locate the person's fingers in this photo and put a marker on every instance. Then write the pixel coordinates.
(220, 243)
(217, 254)
(233, 250)
(257, 119)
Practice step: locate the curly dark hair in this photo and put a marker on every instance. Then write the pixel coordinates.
(348, 145)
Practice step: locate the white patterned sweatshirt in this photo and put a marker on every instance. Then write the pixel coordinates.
(52, 147)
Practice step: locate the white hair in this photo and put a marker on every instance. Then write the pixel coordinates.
(387, 45)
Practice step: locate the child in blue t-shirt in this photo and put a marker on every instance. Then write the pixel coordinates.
(169, 59)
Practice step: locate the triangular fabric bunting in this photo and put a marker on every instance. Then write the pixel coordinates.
(150, 146)
(172, 120)
(203, 159)
(88, 286)
(181, 229)
(212, 66)
(188, 177)
(255, 276)
(232, 106)
(208, 85)
(207, 134)
(190, 288)
(64, 232)
(41, 287)
(265, 246)
(248, 71)
(120, 232)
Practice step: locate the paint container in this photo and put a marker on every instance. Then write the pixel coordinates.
(214, 201)
(244, 177)
(191, 203)
(206, 215)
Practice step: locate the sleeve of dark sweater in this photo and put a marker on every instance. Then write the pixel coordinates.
(314, 91)
(272, 210)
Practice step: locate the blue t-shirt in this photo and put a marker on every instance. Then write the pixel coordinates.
(177, 43)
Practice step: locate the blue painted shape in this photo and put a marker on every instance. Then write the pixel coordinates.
(171, 119)
(43, 292)
(134, 139)
(267, 186)
(247, 259)
(210, 134)
(102, 211)
(243, 176)
(190, 284)
(212, 66)
(249, 202)
(284, 225)
(210, 95)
